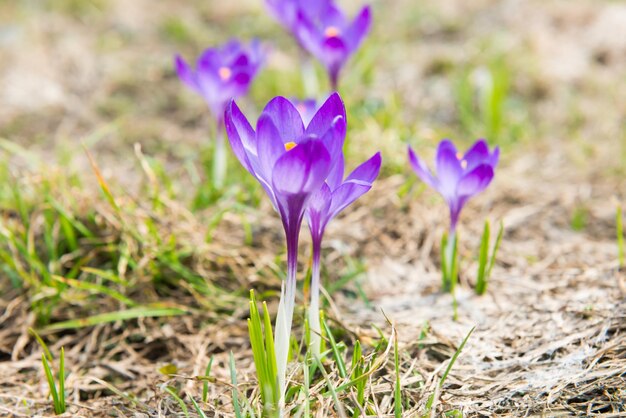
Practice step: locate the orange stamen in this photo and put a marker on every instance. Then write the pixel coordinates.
(332, 32)
(224, 73)
(290, 145)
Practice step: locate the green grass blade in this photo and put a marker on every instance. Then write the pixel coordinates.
(41, 342)
(62, 380)
(397, 398)
(178, 399)
(483, 258)
(333, 345)
(132, 313)
(431, 398)
(197, 407)
(444, 265)
(233, 381)
(95, 288)
(51, 384)
(103, 184)
(455, 356)
(331, 389)
(496, 246)
(205, 384)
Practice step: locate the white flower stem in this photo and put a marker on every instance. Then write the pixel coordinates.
(284, 317)
(219, 159)
(314, 307)
(309, 78)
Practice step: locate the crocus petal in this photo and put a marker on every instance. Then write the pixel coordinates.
(475, 181)
(449, 171)
(269, 145)
(185, 73)
(359, 28)
(286, 118)
(495, 157)
(240, 135)
(320, 200)
(301, 170)
(478, 154)
(334, 138)
(335, 176)
(421, 169)
(326, 115)
(367, 171)
(345, 195)
(307, 34)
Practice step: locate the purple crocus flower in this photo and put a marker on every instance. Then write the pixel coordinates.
(291, 162)
(331, 37)
(459, 177)
(286, 11)
(222, 74)
(334, 196)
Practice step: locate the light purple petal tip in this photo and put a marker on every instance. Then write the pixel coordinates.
(367, 171)
(359, 27)
(269, 145)
(185, 73)
(286, 118)
(346, 194)
(240, 134)
(326, 114)
(421, 169)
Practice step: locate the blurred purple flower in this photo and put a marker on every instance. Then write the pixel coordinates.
(334, 196)
(306, 107)
(286, 11)
(222, 74)
(331, 37)
(291, 162)
(458, 177)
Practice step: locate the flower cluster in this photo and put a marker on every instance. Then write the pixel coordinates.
(323, 30)
(301, 168)
(221, 74)
(295, 151)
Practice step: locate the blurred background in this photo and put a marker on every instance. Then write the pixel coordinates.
(549, 73)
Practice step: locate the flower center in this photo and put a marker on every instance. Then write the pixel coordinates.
(463, 161)
(290, 145)
(224, 73)
(332, 32)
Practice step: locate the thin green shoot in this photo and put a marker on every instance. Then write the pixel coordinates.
(341, 365)
(41, 342)
(431, 399)
(620, 236)
(451, 266)
(397, 397)
(178, 399)
(132, 313)
(233, 381)
(58, 396)
(485, 260)
(494, 252)
(197, 407)
(331, 389)
(264, 355)
(205, 384)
